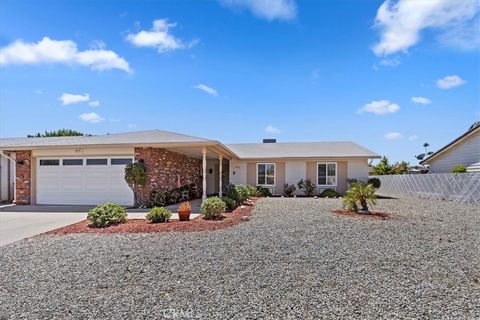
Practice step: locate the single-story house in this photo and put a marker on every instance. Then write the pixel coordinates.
(90, 169)
(464, 150)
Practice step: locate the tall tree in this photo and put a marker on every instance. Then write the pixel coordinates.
(58, 133)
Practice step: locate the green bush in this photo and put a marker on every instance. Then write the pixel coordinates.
(263, 192)
(230, 191)
(374, 182)
(107, 214)
(330, 193)
(252, 191)
(158, 198)
(307, 187)
(362, 194)
(288, 189)
(242, 192)
(157, 215)
(230, 203)
(136, 178)
(212, 207)
(174, 196)
(459, 169)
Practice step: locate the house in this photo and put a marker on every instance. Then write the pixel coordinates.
(90, 169)
(464, 150)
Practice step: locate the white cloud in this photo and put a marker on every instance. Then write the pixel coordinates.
(207, 89)
(94, 103)
(380, 107)
(159, 37)
(402, 21)
(272, 130)
(421, 100)
(60, 51)
(413, 137)
(449, 82)
(267, 9)
(69, 98)
(91, 117)
(393, 136)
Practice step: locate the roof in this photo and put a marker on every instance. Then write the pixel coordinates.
(139, 137)
(473, 128)
(301, 150)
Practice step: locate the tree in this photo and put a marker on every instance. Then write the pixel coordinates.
(360, 193)
(57, 133)
(136, 178)
(427, 153)
(384, 167)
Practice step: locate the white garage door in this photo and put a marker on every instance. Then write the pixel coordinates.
(83, 181)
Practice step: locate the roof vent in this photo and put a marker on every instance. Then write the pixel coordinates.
(269, 140)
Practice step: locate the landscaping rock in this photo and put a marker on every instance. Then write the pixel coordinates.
(296, 259)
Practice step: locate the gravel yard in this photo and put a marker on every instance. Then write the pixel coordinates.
(294, 260)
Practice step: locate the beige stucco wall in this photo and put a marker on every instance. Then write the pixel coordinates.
(90, 151)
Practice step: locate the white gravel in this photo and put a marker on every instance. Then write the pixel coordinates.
(294, 259)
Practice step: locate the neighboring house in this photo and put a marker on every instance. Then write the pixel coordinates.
(90, 169)
(464, 150)
(7, 178)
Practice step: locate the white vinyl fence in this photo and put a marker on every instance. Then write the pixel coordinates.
(456, 187)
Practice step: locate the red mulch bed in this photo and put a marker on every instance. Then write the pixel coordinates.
(372, 216)
(144, 226)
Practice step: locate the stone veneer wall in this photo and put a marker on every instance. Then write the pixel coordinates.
(163, 167)
(23, 180)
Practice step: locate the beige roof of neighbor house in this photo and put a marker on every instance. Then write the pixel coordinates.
(139, 137)
(301, 150)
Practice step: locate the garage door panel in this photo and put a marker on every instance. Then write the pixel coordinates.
(82, 184)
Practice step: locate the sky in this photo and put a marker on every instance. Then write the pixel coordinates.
(388, 75)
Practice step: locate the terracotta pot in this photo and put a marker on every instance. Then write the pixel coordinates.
(184, 215)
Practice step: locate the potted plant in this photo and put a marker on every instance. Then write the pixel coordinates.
(184, 209)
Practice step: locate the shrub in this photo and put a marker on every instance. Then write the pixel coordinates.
(330, 193)
(459, 169)
(288, 189)
(107, 214)
(230, 191)
(174, 196)
(157, 215)
(263, 192)
(252, 191)
(359, 193)
(158, 198)
(307, 187)
(212, 207)
(230, 203)
(374, 182)
(242, 193)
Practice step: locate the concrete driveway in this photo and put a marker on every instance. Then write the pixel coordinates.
(19, 222)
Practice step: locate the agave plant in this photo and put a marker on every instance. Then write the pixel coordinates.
(362, 194)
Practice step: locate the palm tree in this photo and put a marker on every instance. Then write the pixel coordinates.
(426, 145)
(360, 193)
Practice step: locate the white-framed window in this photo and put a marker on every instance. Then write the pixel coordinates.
(327, 173)
(266, 174)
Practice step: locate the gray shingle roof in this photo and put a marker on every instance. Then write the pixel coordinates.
(301, 150)
(139, 137)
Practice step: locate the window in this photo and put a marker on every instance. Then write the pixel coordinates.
(327, 174)
(120, 161)
(72, 162)
(50, 162)
(96, 162)
(266, 174)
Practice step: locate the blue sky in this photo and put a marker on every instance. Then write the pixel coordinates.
(389, 75)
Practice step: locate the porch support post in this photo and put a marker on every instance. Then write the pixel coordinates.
(220, 158)
(204, 173)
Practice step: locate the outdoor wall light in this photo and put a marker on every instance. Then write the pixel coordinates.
(210, 170)
(20, 162)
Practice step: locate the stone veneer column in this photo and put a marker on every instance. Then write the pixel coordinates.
(23, 177)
